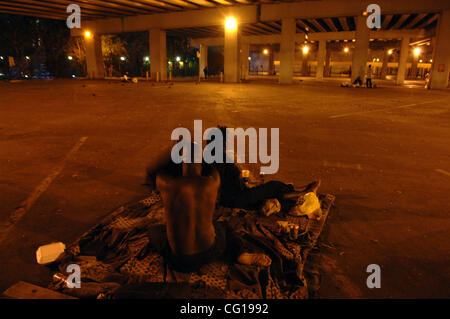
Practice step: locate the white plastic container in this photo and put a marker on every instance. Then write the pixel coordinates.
(49, 253)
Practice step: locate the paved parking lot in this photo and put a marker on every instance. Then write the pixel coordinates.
(72, 151)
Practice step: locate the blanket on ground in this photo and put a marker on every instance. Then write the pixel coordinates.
(120, 257)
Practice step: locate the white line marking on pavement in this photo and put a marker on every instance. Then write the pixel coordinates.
(341, 165)
(442, 171)
(38, 191)
(381, 110)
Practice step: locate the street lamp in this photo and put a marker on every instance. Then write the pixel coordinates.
(122, 58)
(346, 49)
(390, 51)
(70, 57)
(417, 51)
(230, 23)
(305, 49)
(178, 59)
(266, 52)
(146, 59)
(87, 34)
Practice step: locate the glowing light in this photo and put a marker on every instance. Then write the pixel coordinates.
(178, 59)
(420, 61)
(390, 52)
(364, 13)
(346, 49)
(354, 40)
(27, 57)
(146, 58)
(417, 51)
(230, 23)
(249, 58)
(70, 57)
(122, 58)
(87, 34)
(266, 52)
(305, 49)
(1, 57)
(431, 60)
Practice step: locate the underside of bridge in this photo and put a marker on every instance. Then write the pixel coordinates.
(409, 34)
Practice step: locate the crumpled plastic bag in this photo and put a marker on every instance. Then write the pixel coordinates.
(308, 205)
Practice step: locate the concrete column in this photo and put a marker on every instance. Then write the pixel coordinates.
(327, 70)
(361, 52)
(321, 55)
(203, 59)
(404, 51)
(231, 55)
(287, 50)
(271, 66)
(441, 58)
(244, 62)
(414, 64)
(158, 54)
(94, 57)
(384, 67)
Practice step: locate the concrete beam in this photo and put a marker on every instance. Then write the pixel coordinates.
(173, 20)
(300, 37)
(335, 8)
(251, 14)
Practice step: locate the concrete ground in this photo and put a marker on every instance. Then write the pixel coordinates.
(384, 153)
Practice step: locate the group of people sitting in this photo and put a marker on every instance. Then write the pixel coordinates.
(190, 193)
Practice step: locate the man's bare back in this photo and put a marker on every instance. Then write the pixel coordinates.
(190, 202)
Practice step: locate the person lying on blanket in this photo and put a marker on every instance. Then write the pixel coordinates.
(235, 194)
(189, 193)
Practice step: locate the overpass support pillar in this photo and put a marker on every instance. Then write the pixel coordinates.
(441, 59)
(158, 54)
(94, 57)
(203, 59)
(244, 61)
(321, 55)
(404, 51)
(384, 67)
(231, 52)
(287, 50)
(360, 55)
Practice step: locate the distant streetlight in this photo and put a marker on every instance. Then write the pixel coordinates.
(417, 51)
(122, 58)
(27, 57)
(147, 59)
(1, 58)
(431, 60)
(70, 57)
(87, 34)
(420, 61)
(230, 23)
(305, 49)
(390, 51)
(249, 58)
(178, 59)
(266, 52)
(346, 49)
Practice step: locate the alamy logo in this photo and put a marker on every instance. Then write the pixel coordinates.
(74, 279)
(374, 279)
(214, 149)
(374, 18)
(73, 20)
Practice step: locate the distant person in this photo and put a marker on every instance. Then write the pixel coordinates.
(205, 72)
(427, 80)
(358, 82)
(369, 77)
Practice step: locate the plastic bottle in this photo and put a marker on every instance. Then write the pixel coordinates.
(49, 253)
